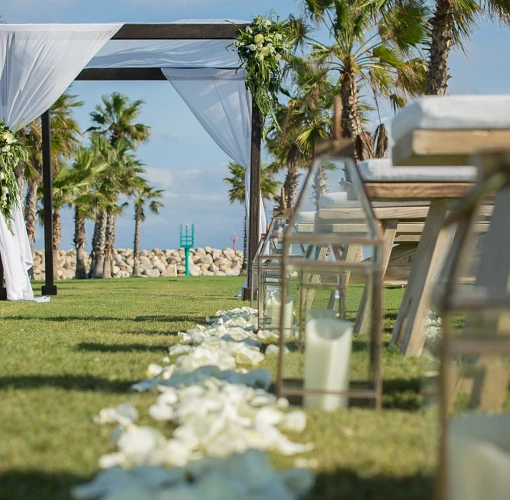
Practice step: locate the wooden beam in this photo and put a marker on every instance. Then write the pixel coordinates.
(407, 238)
(414, 191)
(121, 74)
(124, 74)
(49, 287)
(171, 31)
(446, 147)
(386, 212)
(254, 209)
(417, 227)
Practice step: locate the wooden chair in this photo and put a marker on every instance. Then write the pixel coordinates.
(445, 132)
(436, 187)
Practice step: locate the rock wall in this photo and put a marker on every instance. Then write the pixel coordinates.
(205, 262)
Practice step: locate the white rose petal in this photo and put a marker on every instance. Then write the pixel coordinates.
(112, 460)
(295, 421)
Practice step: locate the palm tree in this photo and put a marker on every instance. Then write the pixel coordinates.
(451, 23)
(66, 187)
(65, 138)
(120, 177)
(125, 170)
(268, 189)
(88, 165)
(115, 120)
(375, 46)
(299, 124)
(144, 195)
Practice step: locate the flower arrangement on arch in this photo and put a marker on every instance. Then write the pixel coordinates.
(261, 46)
(12, 151)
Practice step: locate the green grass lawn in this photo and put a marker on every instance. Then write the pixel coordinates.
(60, 363)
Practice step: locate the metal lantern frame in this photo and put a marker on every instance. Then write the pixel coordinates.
(255, 273)
(268, 267)
(477, 341)
(338, 272)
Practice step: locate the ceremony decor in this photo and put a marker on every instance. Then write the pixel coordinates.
(12, 152)
(261, 47)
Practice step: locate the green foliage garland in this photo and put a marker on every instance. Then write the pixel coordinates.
(261, 47)
(12, 152)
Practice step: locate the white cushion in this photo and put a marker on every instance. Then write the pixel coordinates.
(306, 217)
(382, 170)
(459, 112)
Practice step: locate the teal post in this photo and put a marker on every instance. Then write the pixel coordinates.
(187, 241)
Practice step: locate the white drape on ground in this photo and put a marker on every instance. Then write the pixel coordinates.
(37, 64)
(219, 100)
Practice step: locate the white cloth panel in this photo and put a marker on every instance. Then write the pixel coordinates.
(166, 54)
(220, 102)
(37, 64)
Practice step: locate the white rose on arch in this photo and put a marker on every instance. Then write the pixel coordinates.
(8, 138)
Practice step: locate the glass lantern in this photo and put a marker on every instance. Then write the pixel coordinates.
(472, 351)
(335, 274)
(269, 269)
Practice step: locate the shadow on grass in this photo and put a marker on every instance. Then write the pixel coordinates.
(38, 485)
(94, 317)
(169, 319)
(162, 333)
(68, 382)
(345, 483)
(65, 319)
(96, 347)
(403, 394)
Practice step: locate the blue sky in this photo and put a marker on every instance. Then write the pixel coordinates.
(181, 158)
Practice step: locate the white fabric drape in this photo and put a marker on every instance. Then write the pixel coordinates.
(165, 54)
(37, 64)
(220, 102)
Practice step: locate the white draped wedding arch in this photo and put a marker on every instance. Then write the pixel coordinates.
(38, 63)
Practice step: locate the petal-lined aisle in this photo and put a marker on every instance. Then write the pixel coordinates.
(222, 420)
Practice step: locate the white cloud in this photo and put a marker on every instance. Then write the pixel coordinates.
(160, 177)
(196, 196)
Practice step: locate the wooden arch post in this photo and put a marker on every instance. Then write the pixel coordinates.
(49, 287)
(254, 231)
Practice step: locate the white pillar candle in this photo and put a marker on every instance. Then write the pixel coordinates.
(479, 458)
(327, 358)
(288, 314)
(320, 313)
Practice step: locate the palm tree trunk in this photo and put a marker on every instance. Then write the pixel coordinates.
(440, 45)
(290, 185)
(136, 243)
(19, 172)
(57, 236)
(351, 120)
(94, 246)
(31, 210)
(99, 247)
(79, 242)
(109, 244)
(319, 185)
(244, 267)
